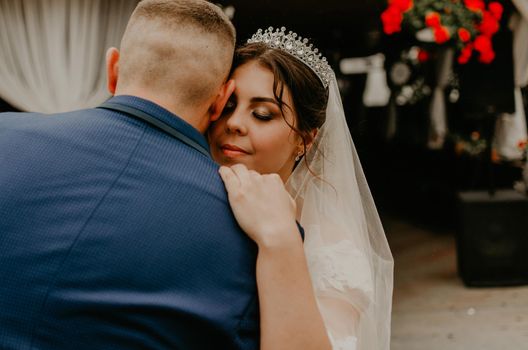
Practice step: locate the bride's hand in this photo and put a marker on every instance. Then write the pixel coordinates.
(261, 205)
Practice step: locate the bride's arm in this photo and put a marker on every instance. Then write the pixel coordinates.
(289, 316)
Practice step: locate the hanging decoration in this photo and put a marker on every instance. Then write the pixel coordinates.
(466, 25)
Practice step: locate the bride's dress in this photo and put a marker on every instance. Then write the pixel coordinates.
(341, 278)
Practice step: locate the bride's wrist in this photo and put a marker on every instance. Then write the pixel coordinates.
(280, 237)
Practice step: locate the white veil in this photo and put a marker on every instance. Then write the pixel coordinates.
(349, 259)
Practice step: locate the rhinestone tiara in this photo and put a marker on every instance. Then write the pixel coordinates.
(297, 47)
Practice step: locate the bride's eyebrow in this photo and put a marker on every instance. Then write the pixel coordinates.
(263, 99)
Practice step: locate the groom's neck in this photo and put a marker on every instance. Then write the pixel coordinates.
(196, 116)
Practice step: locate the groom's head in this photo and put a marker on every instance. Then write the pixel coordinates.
(177, 51)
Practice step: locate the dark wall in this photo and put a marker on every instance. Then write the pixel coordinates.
(333, 25)
(488, 88)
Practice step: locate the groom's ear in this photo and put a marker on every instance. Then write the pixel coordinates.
(112, 69)
(223, 96)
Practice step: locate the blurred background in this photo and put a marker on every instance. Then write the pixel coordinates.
(435, 93)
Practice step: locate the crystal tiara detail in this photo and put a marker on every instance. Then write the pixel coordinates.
(297, 47)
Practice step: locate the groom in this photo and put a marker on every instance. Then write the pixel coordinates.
(115, 230)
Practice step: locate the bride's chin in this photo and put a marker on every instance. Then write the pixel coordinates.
(230, 162)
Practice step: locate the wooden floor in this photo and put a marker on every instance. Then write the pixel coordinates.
(433, 310)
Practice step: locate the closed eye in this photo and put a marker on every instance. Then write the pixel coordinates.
(263, 116)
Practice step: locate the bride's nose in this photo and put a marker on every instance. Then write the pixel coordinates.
(235, 123)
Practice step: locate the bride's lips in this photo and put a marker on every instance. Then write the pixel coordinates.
(232, 150)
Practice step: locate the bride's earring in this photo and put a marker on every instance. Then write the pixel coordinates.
(299, 155)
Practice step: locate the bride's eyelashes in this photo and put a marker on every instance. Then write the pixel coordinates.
(265, 111)
(264, 116)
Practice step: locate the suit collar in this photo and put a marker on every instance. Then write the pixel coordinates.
(162, 115)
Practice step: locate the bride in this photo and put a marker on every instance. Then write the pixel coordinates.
(285, 121)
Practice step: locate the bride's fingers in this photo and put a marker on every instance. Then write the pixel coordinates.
(242, 173)
(231, 181)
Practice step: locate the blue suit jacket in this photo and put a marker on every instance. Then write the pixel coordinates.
(116, 235)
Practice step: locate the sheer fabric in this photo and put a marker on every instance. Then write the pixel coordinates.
(53, 51)
(350, 262)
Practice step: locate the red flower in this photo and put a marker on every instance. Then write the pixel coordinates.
(475, 5)
(484, 47)
(432, 19)
(496, 9)
(487, 56)
(464, 34)
(522, 144)
(463, 59)
(402, 5)
(423, 56)
(483, 43)
(392, 18)
(489, 24)
(465, 54)
(441, 34)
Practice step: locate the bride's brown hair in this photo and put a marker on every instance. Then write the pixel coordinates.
(308, 94)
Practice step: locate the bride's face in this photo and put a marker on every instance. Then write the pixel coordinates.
(252, 129)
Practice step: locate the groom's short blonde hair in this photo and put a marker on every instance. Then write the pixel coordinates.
(179, 47)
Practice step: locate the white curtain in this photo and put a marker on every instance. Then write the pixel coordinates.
(511, 128)
(52, 52)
